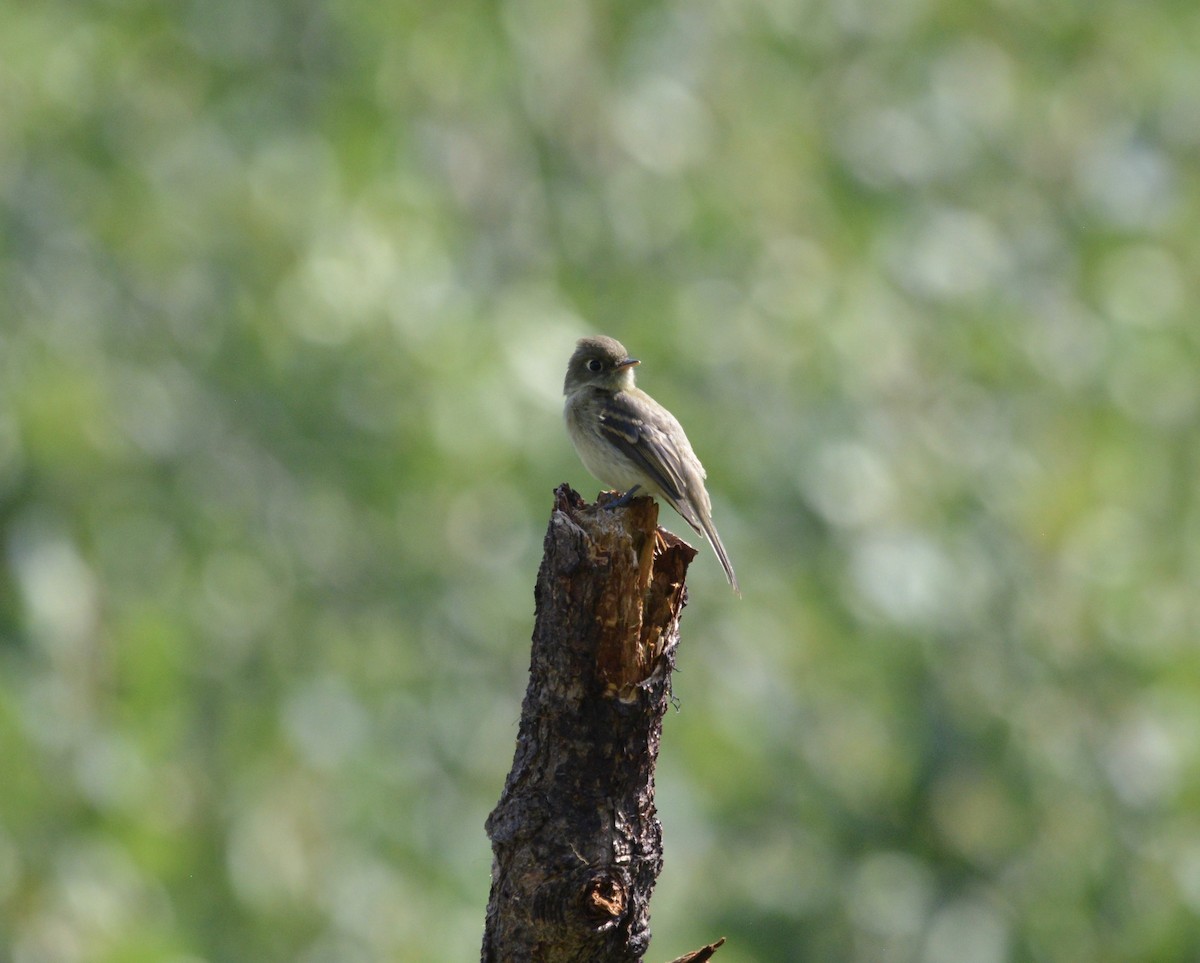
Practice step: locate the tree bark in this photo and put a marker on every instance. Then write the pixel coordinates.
(576, 842)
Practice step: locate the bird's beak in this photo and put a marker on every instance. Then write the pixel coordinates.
(628, 363)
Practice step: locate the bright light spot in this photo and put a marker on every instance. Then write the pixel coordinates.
(890, 894)
(887, 146)
(795, 279)
(1127, 182)
(110, 770)
(1186, 860)
(663, 126)
(325, 722)
(1142, 285)
(967, 931)
(240, 595)
(1156, 381)
(1104, 547)
(974, 84)
(1142, 762)
(269, 863)
(904, 576)
(1067, 343)
(949, 254)
(58, 589)
(849, 484)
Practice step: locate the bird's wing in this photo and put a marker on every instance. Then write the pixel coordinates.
(650, 437)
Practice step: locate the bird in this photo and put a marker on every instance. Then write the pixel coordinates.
(628, 440)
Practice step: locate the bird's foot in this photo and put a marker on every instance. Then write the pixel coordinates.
(623, 500)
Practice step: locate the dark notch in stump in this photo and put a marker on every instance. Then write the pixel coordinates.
(576, 842)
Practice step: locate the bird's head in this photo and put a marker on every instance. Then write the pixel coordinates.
(599, 362)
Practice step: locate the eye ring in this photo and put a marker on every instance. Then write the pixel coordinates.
(595, 364)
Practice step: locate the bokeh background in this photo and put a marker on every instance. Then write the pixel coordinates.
(286, 294)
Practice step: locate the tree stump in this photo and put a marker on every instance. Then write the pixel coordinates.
(577, 845)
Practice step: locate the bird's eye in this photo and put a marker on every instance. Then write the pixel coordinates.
(595, 364)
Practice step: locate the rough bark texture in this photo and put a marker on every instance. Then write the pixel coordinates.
(577, 846)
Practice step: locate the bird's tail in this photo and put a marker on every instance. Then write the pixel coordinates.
(699, 516)
(710, 532)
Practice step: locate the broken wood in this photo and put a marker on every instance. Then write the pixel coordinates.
(576, 841)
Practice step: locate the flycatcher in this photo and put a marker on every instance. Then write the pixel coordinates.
(628, 440)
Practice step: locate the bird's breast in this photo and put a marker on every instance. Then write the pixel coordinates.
(598, 454)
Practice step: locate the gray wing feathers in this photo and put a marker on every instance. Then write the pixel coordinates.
(626, 423)
(653, 440)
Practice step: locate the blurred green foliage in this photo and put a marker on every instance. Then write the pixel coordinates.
(288, 290)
